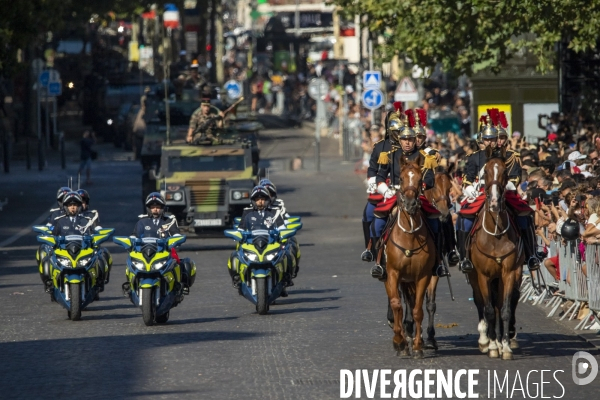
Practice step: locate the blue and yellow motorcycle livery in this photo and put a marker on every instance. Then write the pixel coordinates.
(294, 247)
(74, 267)
(263, 262)
(154, 276)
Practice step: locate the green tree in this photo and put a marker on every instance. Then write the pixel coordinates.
(469, 35)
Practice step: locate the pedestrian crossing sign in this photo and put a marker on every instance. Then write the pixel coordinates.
(372, 79)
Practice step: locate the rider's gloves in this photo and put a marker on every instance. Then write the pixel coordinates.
(385, 191)
(372, 185)
(510, 186)
(470, 191)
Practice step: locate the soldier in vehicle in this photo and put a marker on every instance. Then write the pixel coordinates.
(203, 123)
(157, 224)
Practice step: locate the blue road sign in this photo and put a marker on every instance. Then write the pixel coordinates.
(372, 98)
(44, 77)
(234, 89)
(372, 79)
(55, 88)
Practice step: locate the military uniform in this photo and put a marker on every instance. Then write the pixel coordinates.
(72, 225)
(266, 219)
(162, 227)
(202, 125)
(428, 164)
(476, 161)
(54, 214)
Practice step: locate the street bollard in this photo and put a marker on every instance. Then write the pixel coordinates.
(41, 155)
(27, 155)
(63, 156)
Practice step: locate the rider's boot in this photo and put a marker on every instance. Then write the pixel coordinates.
(529, 246)
(465, 265)
(440, 269)
(367, 255)
(378, 271)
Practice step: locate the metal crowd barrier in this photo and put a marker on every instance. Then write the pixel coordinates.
(593, 286)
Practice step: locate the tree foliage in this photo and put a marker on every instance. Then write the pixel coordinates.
(468, 35)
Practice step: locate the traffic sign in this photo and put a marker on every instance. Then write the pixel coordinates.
(372, 98)
(372, 79)
(318, 88)
(49, 75)
(234, 89)
(406, 91)
(55, 88)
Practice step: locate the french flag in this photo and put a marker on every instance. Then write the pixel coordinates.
(171, 16)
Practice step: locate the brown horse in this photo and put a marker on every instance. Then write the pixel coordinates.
(439, 197)
(410, 254)
(496, 253)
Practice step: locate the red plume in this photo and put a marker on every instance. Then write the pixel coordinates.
(483, 119)
(398, 106)
(422, 116)
(494, 116)
(411, 118)
(503, 120)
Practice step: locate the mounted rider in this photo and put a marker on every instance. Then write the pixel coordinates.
(379, 155)
(402, 136)
(493, 135)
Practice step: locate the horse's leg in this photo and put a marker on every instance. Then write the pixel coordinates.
(431, 307)
(489, 315)
(408, 291)
(482, 326)
(505, 298)
(497, 304)
(390, 315)
(391, 287)
(514, 301)
(417, 311)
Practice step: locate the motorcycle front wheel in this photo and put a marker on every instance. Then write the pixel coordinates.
(75, 310)
(262, 296)
(148, 306)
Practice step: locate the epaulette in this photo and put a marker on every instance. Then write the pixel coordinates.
(54, 209)
(378, 142)
(60, 216)
(384, 157)
(430, 162)
(142, 216)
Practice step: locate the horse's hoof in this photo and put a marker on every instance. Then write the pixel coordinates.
(508, 355)
(484, 347)
(493, 354)
(514, 344)
(391, 324)
(431, 344)
(405, 352)
(418, 354)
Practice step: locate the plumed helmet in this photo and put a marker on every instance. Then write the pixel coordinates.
(570, 230)
(420, 122)
(393, 122)
(85, 196)
(487, 129)
(61, 194)
(270, 187)
(408, 128)
(155, 198)
(502, 125)
(260, 192)
(72, 198)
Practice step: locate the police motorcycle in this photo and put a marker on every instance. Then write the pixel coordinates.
(154, 275)
(74, 266)
(294, 247)
(263, 262)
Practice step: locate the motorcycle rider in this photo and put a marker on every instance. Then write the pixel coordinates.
(277, 204)
(72, 222)
(95, 221)
(157, 224)
(59, 211)
(258, 217)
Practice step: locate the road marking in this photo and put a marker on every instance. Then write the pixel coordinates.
(23, 231)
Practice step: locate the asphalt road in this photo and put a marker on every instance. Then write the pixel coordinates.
(215, 346)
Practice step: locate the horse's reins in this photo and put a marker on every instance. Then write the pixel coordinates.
(408, 252)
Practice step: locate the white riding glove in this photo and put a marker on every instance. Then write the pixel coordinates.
(470, 191)
(372, 185)
(385, 191)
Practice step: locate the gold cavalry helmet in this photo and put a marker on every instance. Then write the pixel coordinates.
(487, 129)
(394, 122)
(420, 122)
(408, 130)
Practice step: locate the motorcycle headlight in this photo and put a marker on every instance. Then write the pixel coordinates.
(177, 196)
(65, 262)
(250, 256)
(272, 255)
(240, 194)
(158, 265)
(138, 264)
(83, 262)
